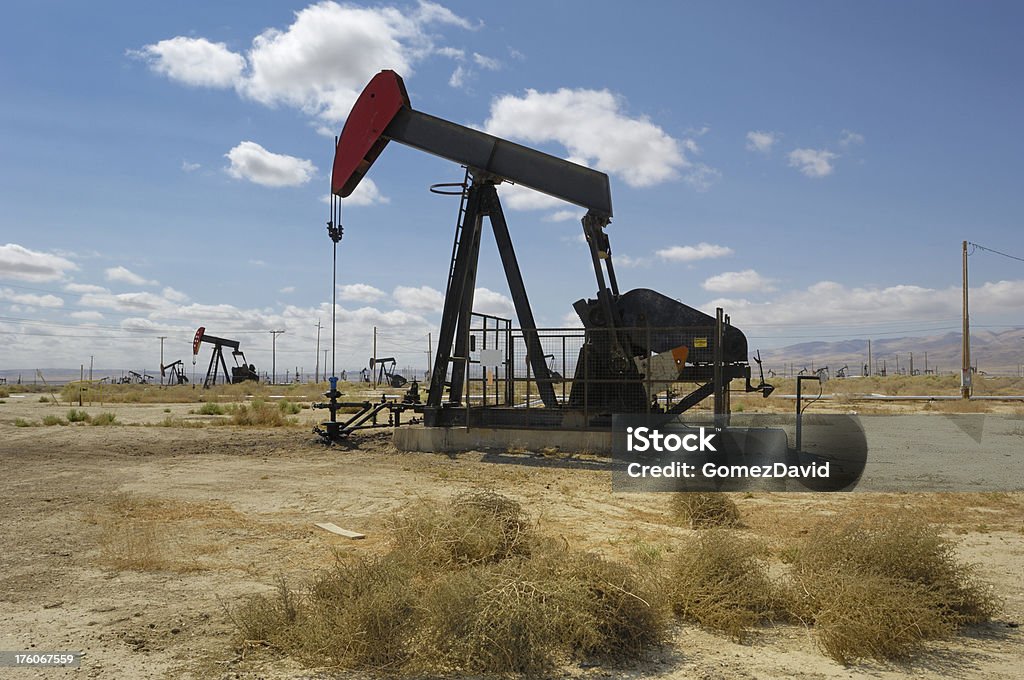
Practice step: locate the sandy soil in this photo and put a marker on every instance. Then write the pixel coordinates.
(131, 543)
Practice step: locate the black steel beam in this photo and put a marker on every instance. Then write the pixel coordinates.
(534, 350)
(504, 159)
(453, 302)
(471, 230)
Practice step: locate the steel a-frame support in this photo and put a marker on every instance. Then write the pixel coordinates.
(453, 338)
(211, 372)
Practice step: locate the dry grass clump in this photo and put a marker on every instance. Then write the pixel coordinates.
(478, 527)
(488, 620)
(51, 420)
(468, 587)
(877, 617)
(704, 510)
(259, 413)
(878, 586)
(104, 419)
(720, 580)
(615, 611)
(135, 547)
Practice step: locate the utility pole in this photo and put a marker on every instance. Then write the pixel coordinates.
(965, 371)
(429, 353)
(373, 360)
(871, 367)
(90, 368)
(911, 363)
(162, 338)
(273, 357)
(317, 377)
(325, 362)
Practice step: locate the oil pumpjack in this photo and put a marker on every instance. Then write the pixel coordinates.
(625, 332)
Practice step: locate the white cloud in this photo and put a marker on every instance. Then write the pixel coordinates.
(22, 264)
(761, 141)
(362, 292)
(701, 251)
(432, 12)
(850, 138)
(518, 197)
(745, 281)
(321, 62)
(126, 302)
(366, 193)
(830, 302)
(189, 167)
(571, 320)
(564, 216)
(701, 177)
(194, 61)
(125, 275)
(174, 295)
(81, 288)
(486, 62)
(812, 162)
(252, 162)
(452, 53)
(486, 301)
(49, 301)
(86, 316)
(630, 261)
(422, 299)
(287, 290)
(592, 126)
(139, 324)
(458, 77)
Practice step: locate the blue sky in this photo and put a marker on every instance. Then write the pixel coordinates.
(811, 167)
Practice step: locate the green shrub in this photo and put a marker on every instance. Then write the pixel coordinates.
(78, 416)
(104, 419)
(54, 420)
(210, 408)
(259, 414)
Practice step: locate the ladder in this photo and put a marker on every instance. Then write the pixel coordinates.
(459, 227)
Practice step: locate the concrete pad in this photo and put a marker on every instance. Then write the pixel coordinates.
(453, 439)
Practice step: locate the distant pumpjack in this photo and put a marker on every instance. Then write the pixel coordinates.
(240, 372)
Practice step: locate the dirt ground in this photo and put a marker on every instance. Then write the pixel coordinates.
(131, 543)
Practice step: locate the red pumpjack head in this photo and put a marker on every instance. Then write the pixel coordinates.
(361, 141)
(198, 339)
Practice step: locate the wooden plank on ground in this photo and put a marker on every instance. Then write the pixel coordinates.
(335, 529)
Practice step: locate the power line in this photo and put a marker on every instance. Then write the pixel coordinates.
(992, 250)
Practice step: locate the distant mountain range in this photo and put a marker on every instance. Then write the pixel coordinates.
(999, 353)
